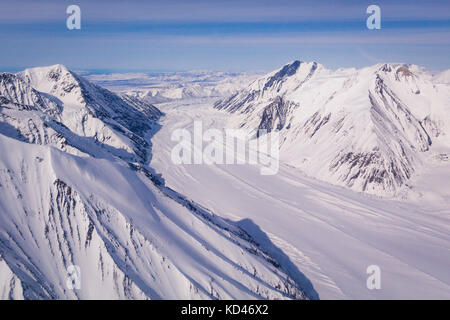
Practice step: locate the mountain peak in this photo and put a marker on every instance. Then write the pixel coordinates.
(296, 64)
(297, 68)
(39, 71)
(57, 66)
(45, 78)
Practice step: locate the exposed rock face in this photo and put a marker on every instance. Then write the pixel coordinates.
(274, 116)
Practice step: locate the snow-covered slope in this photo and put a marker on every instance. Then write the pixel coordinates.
(75, 189)
(442, 77)
(369, 129)
(331, 233)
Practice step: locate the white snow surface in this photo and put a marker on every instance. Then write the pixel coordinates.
(442, 77)
(331, 233)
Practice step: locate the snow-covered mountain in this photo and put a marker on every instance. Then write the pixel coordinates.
(369, 129)
(76, 189)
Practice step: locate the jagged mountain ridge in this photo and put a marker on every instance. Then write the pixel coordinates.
(76, 190)
(85, 102)
(365, 129)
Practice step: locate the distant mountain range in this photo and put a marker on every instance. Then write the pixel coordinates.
(173, 86)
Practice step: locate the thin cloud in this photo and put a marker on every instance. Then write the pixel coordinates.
(28, 11)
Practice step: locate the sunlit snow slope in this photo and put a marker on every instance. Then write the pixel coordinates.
(75, 189)
(370, 129)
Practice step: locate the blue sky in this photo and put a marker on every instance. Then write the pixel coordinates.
(139, 35)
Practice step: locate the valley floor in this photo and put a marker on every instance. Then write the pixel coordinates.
(331, 234)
